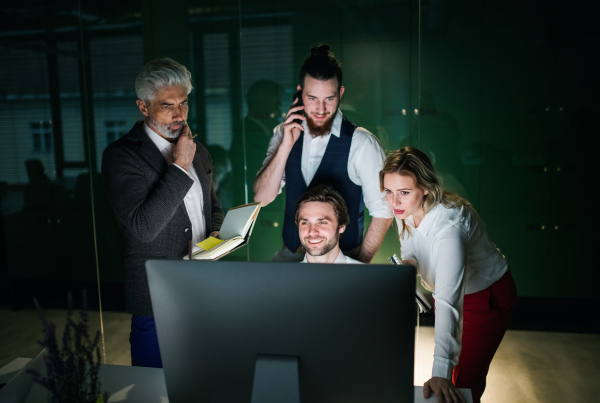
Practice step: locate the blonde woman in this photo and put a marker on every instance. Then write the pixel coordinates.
(473, 289)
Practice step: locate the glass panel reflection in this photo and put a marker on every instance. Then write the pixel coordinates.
(47, 243)
(375, 51)
(67, 93)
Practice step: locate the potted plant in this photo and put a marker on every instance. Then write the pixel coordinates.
(72, 368)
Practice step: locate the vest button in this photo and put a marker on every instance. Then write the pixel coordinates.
(186, 229)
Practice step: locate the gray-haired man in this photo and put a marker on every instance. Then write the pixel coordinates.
(159, 182)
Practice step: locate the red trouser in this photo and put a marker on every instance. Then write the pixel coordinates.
(485, 318)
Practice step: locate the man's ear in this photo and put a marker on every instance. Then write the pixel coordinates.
(299, 87)
(342, 228)
(143, 107)
(342, 89)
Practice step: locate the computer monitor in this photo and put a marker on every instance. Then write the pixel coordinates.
(239, 331)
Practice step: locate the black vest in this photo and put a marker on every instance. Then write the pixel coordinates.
(332, 171)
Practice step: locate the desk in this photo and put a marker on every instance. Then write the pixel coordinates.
(138, 384)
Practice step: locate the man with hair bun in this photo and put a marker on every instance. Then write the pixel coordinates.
(159, 183)
(317, 145)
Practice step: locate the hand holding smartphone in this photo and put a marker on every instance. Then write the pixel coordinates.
(298, 96)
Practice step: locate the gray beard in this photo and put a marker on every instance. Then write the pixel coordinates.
(165, 129)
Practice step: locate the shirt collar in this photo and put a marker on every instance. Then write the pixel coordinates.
(336, 127)
(159, 141)
(339, 259)
(427, 222)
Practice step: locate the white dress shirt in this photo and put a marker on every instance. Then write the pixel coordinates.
(341, 258)
(364, 162)
(193, 200)
(454, 257)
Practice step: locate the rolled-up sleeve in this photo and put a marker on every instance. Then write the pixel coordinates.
(271, 150)
(365, 161)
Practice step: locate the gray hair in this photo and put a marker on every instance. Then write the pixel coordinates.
(160, 73)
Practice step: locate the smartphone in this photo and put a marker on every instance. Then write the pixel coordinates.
(298, 95)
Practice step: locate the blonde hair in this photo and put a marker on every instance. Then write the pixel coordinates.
(409, 161)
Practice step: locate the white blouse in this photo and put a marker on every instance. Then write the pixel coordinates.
(454, 257)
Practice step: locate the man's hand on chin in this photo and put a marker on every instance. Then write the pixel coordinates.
(185, 149)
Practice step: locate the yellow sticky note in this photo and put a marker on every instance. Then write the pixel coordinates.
(209, 242)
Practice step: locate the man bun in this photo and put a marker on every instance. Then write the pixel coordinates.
(322, 49)
(321, 65)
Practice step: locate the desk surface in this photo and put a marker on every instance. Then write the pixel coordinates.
(139, 384)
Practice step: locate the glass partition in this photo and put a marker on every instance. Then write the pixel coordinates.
(48, 172)
(500, 99)
(376, 43)
(68, 91)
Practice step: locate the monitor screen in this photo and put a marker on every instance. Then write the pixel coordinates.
(349, 328)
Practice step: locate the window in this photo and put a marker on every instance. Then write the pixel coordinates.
(114, 129)
(41, 134)
(259, 61)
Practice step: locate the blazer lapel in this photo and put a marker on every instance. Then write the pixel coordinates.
(148, 149)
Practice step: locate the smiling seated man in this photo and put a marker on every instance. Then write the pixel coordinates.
(321, 217)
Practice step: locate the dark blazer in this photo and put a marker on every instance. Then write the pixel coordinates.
(146, 195)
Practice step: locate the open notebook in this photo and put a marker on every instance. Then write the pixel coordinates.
(235, 233)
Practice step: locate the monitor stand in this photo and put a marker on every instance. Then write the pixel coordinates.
(276, 379)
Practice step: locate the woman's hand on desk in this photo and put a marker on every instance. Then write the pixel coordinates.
(444, 390)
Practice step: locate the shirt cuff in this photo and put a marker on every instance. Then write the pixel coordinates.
(442, 367)
(379, 210)
(186, 172)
